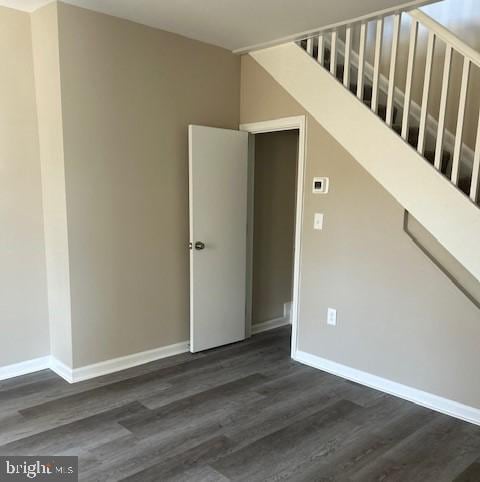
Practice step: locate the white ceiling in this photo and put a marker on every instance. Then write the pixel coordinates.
(233, 24)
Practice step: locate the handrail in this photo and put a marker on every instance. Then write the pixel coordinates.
(447, 36)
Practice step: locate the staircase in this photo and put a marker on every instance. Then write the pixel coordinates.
(405, 147)
(450, 164)
(413, 131)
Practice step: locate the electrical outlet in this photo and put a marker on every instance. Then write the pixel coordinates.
(332, 317)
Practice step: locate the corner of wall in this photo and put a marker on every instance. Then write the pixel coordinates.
(46, 60)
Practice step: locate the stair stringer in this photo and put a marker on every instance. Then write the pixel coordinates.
(436, 203)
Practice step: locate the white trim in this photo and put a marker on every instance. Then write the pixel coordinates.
(190, 229)
(117, 364)
(425, 399)
(128, 361)
(91, 371)
(269, 325)
(282, 124)
(61, 369)
(24, 368)
(412, 4)
(274, 125)
(250, 228)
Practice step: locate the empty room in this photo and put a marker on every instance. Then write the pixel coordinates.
(240, 240)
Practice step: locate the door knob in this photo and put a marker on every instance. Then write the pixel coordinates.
(199, 245)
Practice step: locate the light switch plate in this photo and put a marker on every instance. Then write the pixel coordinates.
(318, 221)
(332, 317)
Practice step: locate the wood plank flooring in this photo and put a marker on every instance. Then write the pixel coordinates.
(242, 412)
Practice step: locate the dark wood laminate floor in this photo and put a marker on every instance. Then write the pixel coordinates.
(241, 412)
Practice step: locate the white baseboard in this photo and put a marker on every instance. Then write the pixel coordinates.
(61, 369)
(91, 371)
(425, 399)
(121, 363)
(269, 325)
(25, 367)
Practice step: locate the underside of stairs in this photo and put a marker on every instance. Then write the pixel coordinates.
(424, 191)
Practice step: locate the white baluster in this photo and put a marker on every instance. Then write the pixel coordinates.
(333, 54)
(443, 107)
(346, 64)
(321, 50)
(361, 60)
(376, 64)
(426, 92)
(408, 84)
(476, 168)
(310, 46)
(397, 19)
(460, 122)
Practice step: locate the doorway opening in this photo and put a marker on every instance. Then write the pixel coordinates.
(276, 170)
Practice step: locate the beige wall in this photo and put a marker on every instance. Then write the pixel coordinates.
(50, 129)
(128, 95)
(23, 299)
(399, 317)
(276, 157)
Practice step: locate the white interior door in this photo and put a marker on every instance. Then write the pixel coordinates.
(218, 165)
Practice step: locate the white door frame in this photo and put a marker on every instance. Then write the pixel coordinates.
(283, 124)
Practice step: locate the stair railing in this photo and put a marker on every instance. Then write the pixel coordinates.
(470, 56)
(324, 46)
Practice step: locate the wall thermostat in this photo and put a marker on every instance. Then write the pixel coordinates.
(320, 185)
